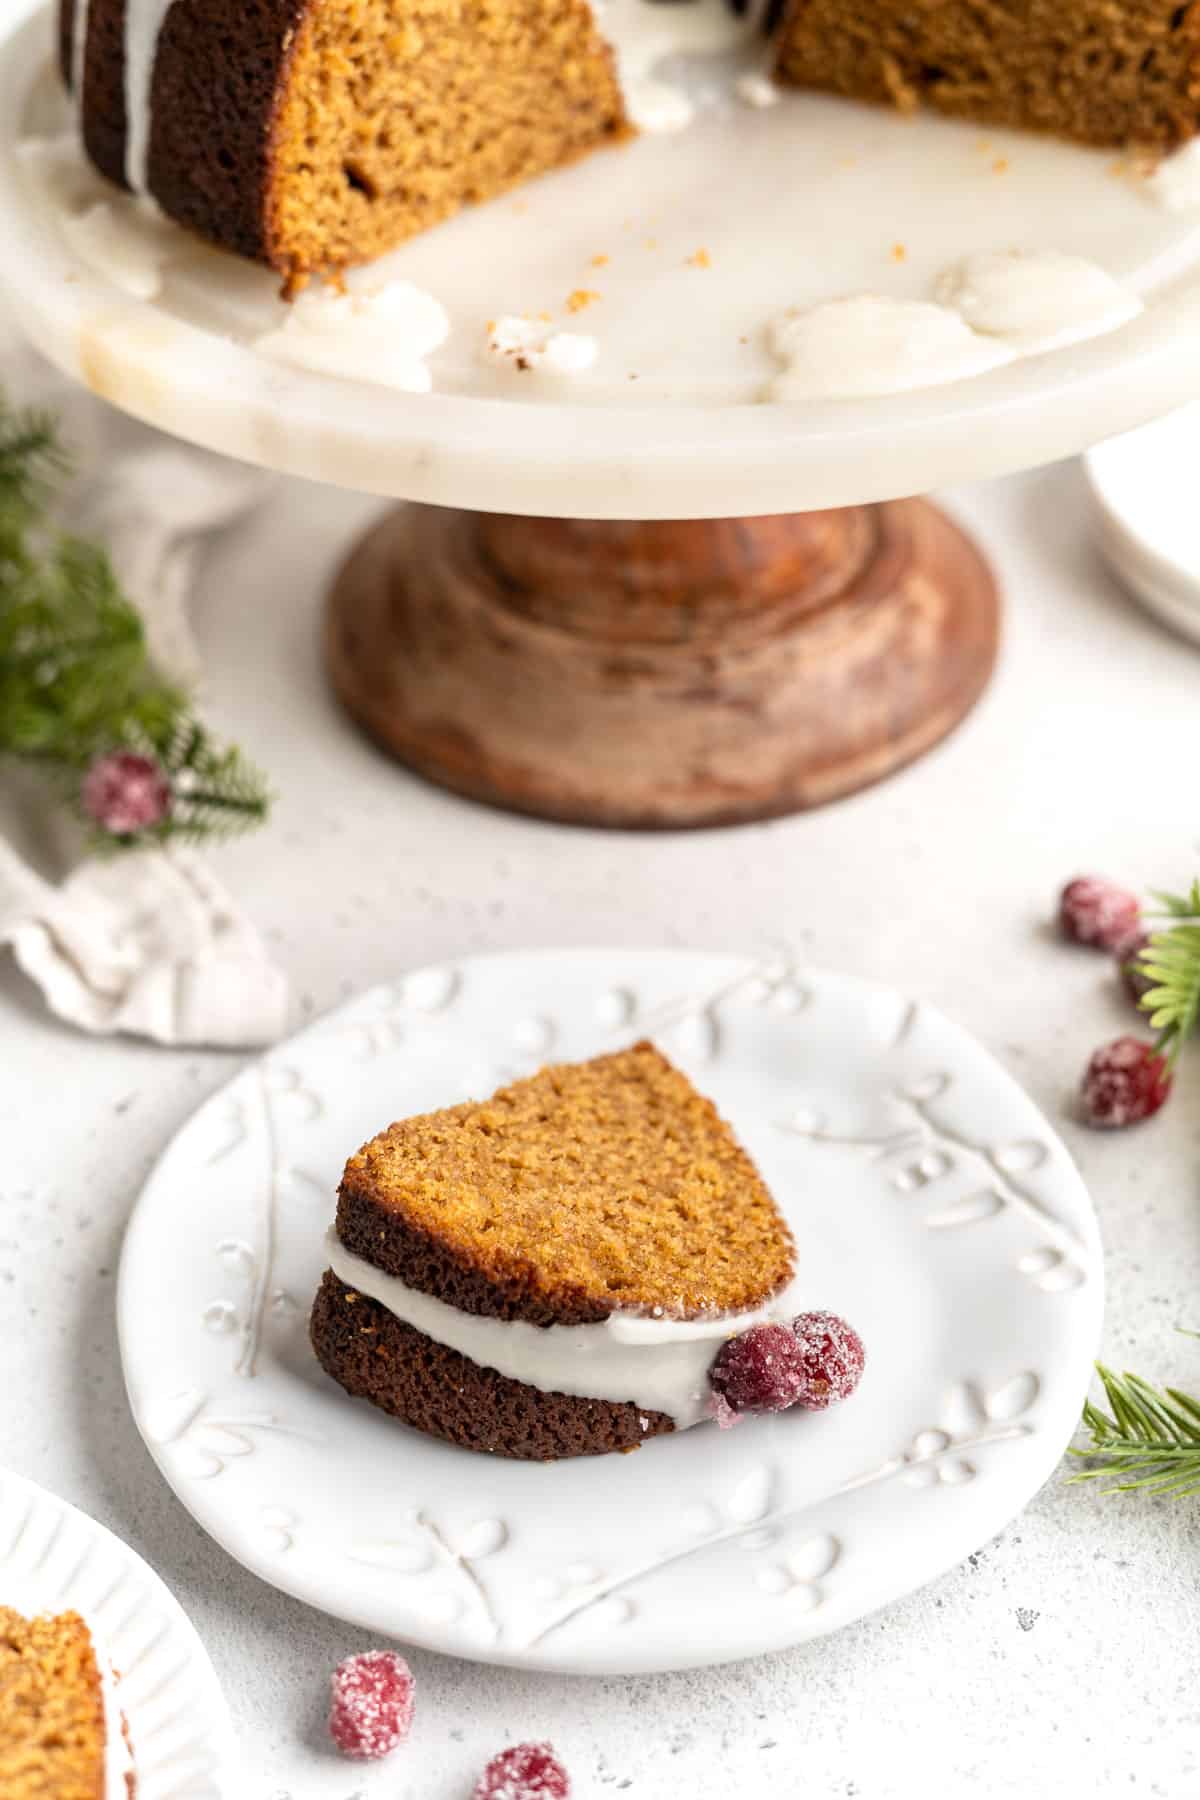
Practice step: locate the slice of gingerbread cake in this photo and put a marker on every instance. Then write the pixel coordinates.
(553, 1272)
(61, 1732)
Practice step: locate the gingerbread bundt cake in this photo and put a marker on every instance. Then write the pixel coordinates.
(314, 134)
(61, 1737)
(553, 1272)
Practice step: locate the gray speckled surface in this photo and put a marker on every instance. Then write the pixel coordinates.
(1062, 1660)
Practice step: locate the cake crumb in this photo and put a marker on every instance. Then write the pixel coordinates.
(700, 259)
(651, 244)
(899, 253)
(581, 297)
(1000, 166)
(600, 260)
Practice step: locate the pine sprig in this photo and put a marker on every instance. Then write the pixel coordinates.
(1170, 963)
(1149, 1440)
(77, 687)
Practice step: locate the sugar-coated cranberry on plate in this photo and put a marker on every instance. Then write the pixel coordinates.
(832, 1359)
(759, 1371)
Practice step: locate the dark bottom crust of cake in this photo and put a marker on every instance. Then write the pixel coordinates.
(374, 1355)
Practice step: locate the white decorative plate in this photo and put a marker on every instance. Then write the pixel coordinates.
(932, 1205)
(55, 1559)
(809, 200)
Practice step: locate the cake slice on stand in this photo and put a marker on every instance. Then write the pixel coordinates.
(553, 1272)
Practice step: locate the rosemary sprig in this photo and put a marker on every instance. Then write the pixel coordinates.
(1148, 1440)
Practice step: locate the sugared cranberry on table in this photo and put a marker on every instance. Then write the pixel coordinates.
(525, 1772)
(1125, 1082)
(372, 1704)
(1094, 911)
(125, 793)
(1137, 984)
(832, 1359)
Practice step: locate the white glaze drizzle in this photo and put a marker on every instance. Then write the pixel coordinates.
(80, 20)
(144, 20)
(661, 1365)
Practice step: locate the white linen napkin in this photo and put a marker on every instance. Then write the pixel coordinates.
(147, 942)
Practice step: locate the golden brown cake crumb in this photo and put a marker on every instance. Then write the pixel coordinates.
(1099, 71)
(52, 1730)
(586, 1188)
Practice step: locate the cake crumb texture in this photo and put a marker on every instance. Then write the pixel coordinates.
(1097, 71)
(585, 1189)
(52, 1732)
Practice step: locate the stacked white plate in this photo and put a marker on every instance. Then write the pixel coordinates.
(1147, 515)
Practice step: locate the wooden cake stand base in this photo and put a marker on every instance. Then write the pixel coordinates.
(662, 675)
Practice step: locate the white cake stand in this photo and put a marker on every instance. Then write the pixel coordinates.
(647, 674)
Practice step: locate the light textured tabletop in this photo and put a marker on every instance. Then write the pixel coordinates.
(1062, 1660)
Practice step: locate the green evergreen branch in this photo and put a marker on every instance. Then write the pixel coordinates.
(1170, 963)
(1149, 1440)
(76, 681)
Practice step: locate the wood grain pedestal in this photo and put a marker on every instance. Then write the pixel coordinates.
(662, 675)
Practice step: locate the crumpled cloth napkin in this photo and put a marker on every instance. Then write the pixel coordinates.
(148, 942)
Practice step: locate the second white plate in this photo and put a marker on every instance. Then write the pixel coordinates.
(55, 1559)
(932, 1205)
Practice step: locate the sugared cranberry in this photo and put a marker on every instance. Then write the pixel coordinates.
(1098, 912)
(372, 1704)
(759, 1371)
(1125, 1082)
(526, 1772)
(1137, 985)
(832, 1359)
(126, 793)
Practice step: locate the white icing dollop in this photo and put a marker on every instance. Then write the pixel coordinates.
(1036, 300)
(527, 345)
(756, 88)
(643, 34)
(127, 242)
(1175, 184)
(661, 1365)
(870, 344)
(380, 335)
